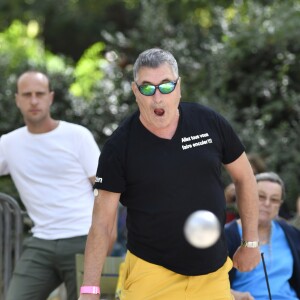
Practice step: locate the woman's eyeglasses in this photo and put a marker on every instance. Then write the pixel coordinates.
(164, 88)
(273, 200)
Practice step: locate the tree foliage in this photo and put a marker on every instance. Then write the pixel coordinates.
(257, 68)
(239, 57)
(20, 50)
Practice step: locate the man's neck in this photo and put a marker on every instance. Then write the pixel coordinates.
(38, 128)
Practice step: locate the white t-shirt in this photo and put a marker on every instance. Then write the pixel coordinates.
(51, 172)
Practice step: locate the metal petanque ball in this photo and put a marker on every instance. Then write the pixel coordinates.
(202, 229)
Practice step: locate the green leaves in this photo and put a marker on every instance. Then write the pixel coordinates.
(242, 58)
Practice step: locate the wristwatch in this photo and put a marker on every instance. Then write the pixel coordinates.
(248, 244)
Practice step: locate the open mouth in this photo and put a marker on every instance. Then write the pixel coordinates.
(159, 112)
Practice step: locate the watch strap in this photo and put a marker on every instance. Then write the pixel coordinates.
(89, 289)
(250, 244)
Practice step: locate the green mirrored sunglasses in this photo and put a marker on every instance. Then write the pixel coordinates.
(164, 88)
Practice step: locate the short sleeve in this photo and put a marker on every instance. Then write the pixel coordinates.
(3, 165)
(232, 146)
(88, 152)
(110, 172)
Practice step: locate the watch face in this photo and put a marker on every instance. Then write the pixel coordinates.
(96, 192)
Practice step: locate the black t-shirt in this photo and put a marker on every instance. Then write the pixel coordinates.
(163, 181)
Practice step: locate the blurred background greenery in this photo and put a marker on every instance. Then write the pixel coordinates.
(241, 58)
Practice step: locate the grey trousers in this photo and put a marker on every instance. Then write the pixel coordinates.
(43, 266)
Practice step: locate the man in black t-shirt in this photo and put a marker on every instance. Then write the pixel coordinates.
(163, 163)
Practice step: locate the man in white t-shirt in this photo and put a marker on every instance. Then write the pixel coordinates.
(53, 165)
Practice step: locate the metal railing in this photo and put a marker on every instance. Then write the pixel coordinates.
(11, 236)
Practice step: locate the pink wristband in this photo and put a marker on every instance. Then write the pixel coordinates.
(90, 290)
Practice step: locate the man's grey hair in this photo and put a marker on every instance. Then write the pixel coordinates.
(153, 58)
(272, 177)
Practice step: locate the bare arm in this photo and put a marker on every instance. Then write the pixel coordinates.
(114, 233)
(99, 238)
(245, 259)
(113, 236)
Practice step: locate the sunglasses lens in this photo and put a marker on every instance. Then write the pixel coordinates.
(166, 88)
(147, 89)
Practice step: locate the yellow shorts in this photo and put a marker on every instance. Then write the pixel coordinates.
(142, 280)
